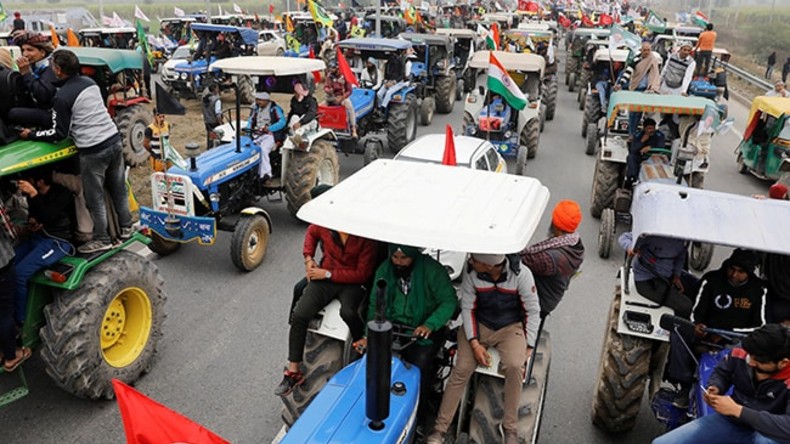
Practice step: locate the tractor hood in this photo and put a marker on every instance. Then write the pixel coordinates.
(221, 163)
(195, 66)
(25, 154)
(434, 206)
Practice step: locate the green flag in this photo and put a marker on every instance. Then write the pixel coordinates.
(319, 13)
(3, 14)
(143, 41)
(654, 23)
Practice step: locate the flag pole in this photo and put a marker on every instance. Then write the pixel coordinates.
(101, 10)
(488, 114)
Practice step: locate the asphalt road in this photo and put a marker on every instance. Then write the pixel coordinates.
(225, 335)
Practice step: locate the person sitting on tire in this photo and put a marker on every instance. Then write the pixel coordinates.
(346, 266)
(499, 308)
(730, 298)
(419, 296)
(658, 271)
(555, 260)
(39, 79)
(757, 411)
(303, 113)
(338, 93)
(49, 232)
(266, 120)
(648, 138)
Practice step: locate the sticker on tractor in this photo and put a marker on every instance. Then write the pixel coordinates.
(180, 228)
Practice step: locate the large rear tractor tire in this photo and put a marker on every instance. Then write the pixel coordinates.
(605, 182)
(246, 90)
(592, 139)
(320, 165)
(700, 255)
(249, 241)
(106, 329)
(622, 376)
(551, 99)
(445, 93)
(401, 124)
(606, 233)
(323, 357)
(530, 137)
(162, 246)
(132, 122)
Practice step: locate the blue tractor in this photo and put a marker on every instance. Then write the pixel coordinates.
(433, 71)
(393, 126)
(194, 74)
(375, 399)
(219, 188)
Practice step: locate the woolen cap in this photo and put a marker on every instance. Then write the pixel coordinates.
(263, 96)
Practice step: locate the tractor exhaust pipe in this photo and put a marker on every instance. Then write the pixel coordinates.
(379, 363)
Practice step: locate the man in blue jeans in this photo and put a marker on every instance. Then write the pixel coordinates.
(79, 112)
(758, 412)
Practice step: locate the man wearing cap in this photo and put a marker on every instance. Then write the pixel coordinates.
(266, 121)
(779, 90)
(338, 92)
(39, 79)
(555, 260)
(499, 308)
(19, 23)
(730, 298)
(678, 71)
(155, 134)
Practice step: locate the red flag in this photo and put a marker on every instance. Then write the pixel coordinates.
(311, 55)
(271, 8)
(495, 34)
(145, 421)
(587, 22)
(605, 20)
(565, 22)
(342, 63)
(449, 147)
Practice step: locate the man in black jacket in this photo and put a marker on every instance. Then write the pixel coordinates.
(79, 112)
(759, 409)
(303, 113)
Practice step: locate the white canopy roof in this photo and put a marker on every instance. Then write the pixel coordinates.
(711, 217)
(268, 66)
(435, 206)
(512, 61)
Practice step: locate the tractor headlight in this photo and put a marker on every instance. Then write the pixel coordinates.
(184, 76)
(472, 131)
(508, 134)
(214, 197)
(397, 97)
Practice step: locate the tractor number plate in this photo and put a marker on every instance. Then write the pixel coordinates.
(172, 193)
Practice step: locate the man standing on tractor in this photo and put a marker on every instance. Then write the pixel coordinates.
(266, 120)
(419, 296)
(346, 266)
(757, 411)
(643, 74)
(555, 260)
(338, 92)
(678, 72)
(155, 135)
(212, 111)
(303, 113)
(12, 355)
(39, 80)
(499, 308)
(704, 49)
(730, 298)
(79, 112)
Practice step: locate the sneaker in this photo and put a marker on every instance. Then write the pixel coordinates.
(436, 437)
(290, 380)
(126, 232)
(94, 246)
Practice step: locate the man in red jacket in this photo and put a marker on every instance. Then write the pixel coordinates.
(346, 265)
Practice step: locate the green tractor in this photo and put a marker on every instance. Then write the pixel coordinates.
(96, 317)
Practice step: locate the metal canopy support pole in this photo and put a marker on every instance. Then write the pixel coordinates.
(101, 12)
(208, 11)
(378, 18)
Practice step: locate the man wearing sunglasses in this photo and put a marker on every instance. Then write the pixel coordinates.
(759, 409)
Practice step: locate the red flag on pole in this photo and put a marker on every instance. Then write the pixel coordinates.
(271, 8)
(605, 20)
(342, 63)
(311, 55)
(145, 421)
(448, 158)
(565, 22)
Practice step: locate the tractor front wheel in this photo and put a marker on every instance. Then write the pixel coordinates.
(521, 160)
(551, 98)
(530, 136)
(307, 169)
(249, 242)
(427, 107)
(106, 329)
(246, 90)
(132, 122)
(162, 246)
(606, 232)
(607, 175)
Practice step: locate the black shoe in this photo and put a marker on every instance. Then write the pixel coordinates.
(290, 380)
(681, 399)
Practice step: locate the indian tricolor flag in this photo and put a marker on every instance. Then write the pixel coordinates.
(492, 38)
(499, 82)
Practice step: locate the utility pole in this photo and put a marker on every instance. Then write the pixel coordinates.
(101, 12)
(208, 11)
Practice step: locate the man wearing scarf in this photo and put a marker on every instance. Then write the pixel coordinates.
(555, 260)
(39, 79)
(420, 296)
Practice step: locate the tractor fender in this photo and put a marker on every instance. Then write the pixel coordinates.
(312, 138)
(332, 325)
(252, 211)
(614, 150)
(402, 93)
(642, 308)
(525, 115)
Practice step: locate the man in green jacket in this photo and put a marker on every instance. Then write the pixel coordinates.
(419, 296)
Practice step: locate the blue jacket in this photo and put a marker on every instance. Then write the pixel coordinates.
(276, 118)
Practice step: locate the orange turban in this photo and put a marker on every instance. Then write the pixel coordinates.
(567, 216)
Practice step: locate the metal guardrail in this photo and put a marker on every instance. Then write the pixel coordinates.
(747, 76)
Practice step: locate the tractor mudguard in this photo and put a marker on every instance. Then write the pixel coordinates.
(310, 139)
(332, 325)
(525, 115)
(639, 316)
(252, 211)
(614, 150)
(400, 95)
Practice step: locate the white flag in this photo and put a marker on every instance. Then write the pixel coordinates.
(106, 21)
(140, 14)
(117, 21)
(238, 9)
(220, 10)
(178, 12)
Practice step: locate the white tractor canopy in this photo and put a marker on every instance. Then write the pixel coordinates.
(511, 61)
(433, 206)
(457, 33)
(711, 217)
(268, 66)
(614, 55)
(534, 26)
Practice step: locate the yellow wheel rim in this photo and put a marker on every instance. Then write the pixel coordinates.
(126, 327)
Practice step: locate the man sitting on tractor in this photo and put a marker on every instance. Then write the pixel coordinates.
(643, 74)
(346, 266)
(603, 82)
(370, 76)
(338, 93)
(39, 80)
(500, 308)
(303, 113)
(646, 139)
(395, 73)
(266, 122)
(730, 298)
(757, 411)
(421, 297)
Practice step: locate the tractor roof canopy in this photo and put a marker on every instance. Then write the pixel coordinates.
(615, 55)
(656, 103)
(116, 60)
(436, 206)
(773, 106)
(375, 44)
(457, 33)
(428, 39)
(248, 35)
(101, 31)
(512, 61)
(711, 217)
(532, 33)
(268, 66)
(26, 154)
(587, 32)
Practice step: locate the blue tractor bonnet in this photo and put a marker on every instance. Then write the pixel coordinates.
(248, 35)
